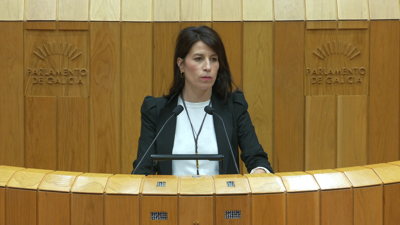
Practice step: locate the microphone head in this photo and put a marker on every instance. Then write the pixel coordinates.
(177, 110)
(210, 110)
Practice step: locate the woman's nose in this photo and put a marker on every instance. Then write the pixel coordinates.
(207, 66)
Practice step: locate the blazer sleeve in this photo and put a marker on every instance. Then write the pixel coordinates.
(253, 154)
(147, 134)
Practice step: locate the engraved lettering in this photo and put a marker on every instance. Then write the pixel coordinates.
(362, 71)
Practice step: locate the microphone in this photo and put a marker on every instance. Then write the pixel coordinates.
(210, 110)
(175, 112)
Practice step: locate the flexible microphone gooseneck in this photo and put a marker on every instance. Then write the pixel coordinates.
(210, 110)
(175, 112)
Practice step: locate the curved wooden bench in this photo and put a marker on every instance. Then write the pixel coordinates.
(354, 195)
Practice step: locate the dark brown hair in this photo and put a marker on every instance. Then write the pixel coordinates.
(186, 38)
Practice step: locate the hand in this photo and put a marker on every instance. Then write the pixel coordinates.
(259, 171)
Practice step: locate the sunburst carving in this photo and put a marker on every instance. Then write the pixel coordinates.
(327, 49)
(57, 48)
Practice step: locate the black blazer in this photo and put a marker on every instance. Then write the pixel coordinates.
(155, 111)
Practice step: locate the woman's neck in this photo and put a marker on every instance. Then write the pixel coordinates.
(192, 96)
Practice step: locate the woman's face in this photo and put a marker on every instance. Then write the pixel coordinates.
(200, 67)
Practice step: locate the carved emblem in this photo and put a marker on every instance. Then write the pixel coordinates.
(57, 48)
(336, 47)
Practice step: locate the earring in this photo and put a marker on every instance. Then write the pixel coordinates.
(218, 76)
(182, 75)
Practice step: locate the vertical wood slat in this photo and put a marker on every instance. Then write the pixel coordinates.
(73, 10)
(391, 204)
(259, 10)
(232, 36)
(105, 10)
(40, 9)
(105, 116)
(53, 208)
(337, 207)
(164, 35)
(388, 9)
(40, 133)
(20, 207)
(352, 10)
(289, 99)
(11, 10)
(2, 206)
(269, 209)
(73, 133)
(258, 64)
(196, 10)
(320, 132)
(304, 207)
(137, 10)
(321, 10)
(227, 10)
(384, 92)
(11, 94)
(166, 11)
(136, 83)
(368, 205)
(352, 131)
(87, 209)
(289, 10)
(121, 209)
(196, 208)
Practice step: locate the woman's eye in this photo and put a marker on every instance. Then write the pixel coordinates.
(214, 59)
(197, 58)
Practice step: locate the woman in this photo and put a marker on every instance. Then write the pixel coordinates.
(201, 78)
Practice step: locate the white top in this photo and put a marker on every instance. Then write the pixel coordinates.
(184, 140)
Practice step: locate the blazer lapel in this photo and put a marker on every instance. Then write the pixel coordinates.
(222, 143)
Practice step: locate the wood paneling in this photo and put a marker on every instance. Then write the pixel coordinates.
(368, 204)
(352, 10)
(227, 10)
(289, 10)
(40, 132)
(12, 10)
(2, 206)
(391, 204)
(73, 133)
(40, 9)
(303, 208)
(269, 209)
(196, 10)
(320, 132)
(384, 92)
(258, 64)
(120, 209)
(353, 24)
(198, 208)
(105, 10)
(53, 208)
(11, 94)
(337, 207)
(20, 207)
(105, 92)
(167, 11)
(321, 10)
(136, 83)
(289, 99)
(352, 131)
(388, 9)
(232, 203)
(168, 204)
(232, 37)
(42, 25)
(73, 10)
(73, 26)
(259, 10)
(137, 10)
(184, 25)
(164, 38)
(87, 209)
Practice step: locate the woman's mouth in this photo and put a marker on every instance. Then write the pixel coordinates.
(206, 78)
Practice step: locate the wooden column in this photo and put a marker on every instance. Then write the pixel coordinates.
(6, 172)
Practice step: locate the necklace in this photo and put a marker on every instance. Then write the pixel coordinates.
(195, 135)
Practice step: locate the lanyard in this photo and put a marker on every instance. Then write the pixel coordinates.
(195, 135)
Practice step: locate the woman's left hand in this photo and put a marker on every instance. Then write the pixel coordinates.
(258, 171)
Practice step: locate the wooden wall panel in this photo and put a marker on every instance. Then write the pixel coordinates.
(320, 132)
(391, 204)
(352, 133)
(368, 205)
(12, 10)
(388, 9)
(269, 209)
(259, 10)
(196, 10)
(258, 64)
(289, 10)
(352, 10)
(11, 94)
(136, 83)
(303, 208)
(53, 208)
(137, 10)
(2, 206)
(73, 10)
(105, 10)
(227, 10)
(121, 209)
(40, 133)
(73, 133)
(184, 25)
(196, 208)
(337, 207)
(166, 10)
(232, 37)
(87, 209)
(20, 207)
(289, 99)
(321, 10)
(40, 9)
(164, 39)
(384, 92)
(105, 115)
